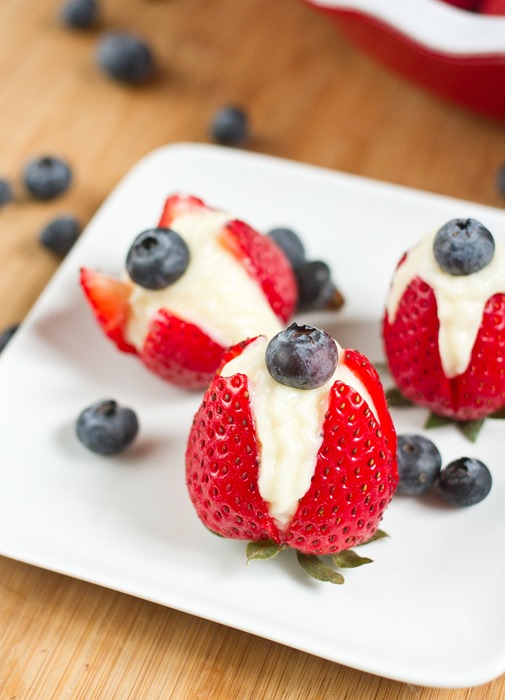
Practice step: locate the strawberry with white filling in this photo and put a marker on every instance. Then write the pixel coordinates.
(231, 282)
(293, 444)
(444, 328)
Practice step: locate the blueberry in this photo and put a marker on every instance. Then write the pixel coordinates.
(315, 286)
(6, 335)
(419, 463)
(464, 482)
(302, 357)
(291, 245)
(6, 194)
(60, 234)
(47, 177)
(463, 246)
(107, 428)
(157, 258)
(126, 58)
(79, 14)
(230, 126)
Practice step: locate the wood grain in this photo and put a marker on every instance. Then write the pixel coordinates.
(311, 97)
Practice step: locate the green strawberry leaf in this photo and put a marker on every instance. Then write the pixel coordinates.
(262, 549)
(315, 567)
(471, 428)
(395, 398)
(348, 559)
(378, 535)
(499, 415)
(435, 421)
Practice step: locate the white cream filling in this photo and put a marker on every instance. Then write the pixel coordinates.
(460, 299)
(215, 293)
(289, 428)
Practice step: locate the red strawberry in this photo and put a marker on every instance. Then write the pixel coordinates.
(266, 263)
(173, 347)
(354, 473)
(180, 352)
(109, 299)
(178, 205)
(412, 345)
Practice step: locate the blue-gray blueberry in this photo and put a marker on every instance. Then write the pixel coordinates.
(303, 357)
(107, 428)
(157, 258)
(47, 177)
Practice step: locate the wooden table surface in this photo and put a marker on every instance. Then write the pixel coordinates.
(311, 97)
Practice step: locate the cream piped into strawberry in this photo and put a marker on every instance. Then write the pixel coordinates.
(293, 443)
(229, 282)
(445, 321)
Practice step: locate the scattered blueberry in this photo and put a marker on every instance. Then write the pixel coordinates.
(289, 242)
(464, 482)
(230, 126)
(315, 286)
(6, 194)
(79, 14)
(47, 177)
(6, 335)
(302, 357)
(157, 258)
(419, 463)
(125, 57)
(107, 428)
(463, 246)
(60, 234)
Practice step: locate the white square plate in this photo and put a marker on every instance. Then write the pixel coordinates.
(430, 609)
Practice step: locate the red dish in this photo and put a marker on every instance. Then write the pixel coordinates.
(454, 53)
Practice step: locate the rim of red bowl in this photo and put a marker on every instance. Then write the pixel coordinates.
(434, 24)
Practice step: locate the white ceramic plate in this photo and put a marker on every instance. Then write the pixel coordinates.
(430, 609)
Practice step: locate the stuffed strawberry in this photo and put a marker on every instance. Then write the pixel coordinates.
(444, 328)
(293, 445)
(196, 284)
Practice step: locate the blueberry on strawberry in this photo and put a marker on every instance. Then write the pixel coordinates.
(311, 470)
(464, 482)
(47, 177)
(302, 356)
(463, 246)
(157, 258)
(107, 428)
(125, 57)
(419, 463)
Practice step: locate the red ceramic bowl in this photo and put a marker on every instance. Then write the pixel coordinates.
(452, 52)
